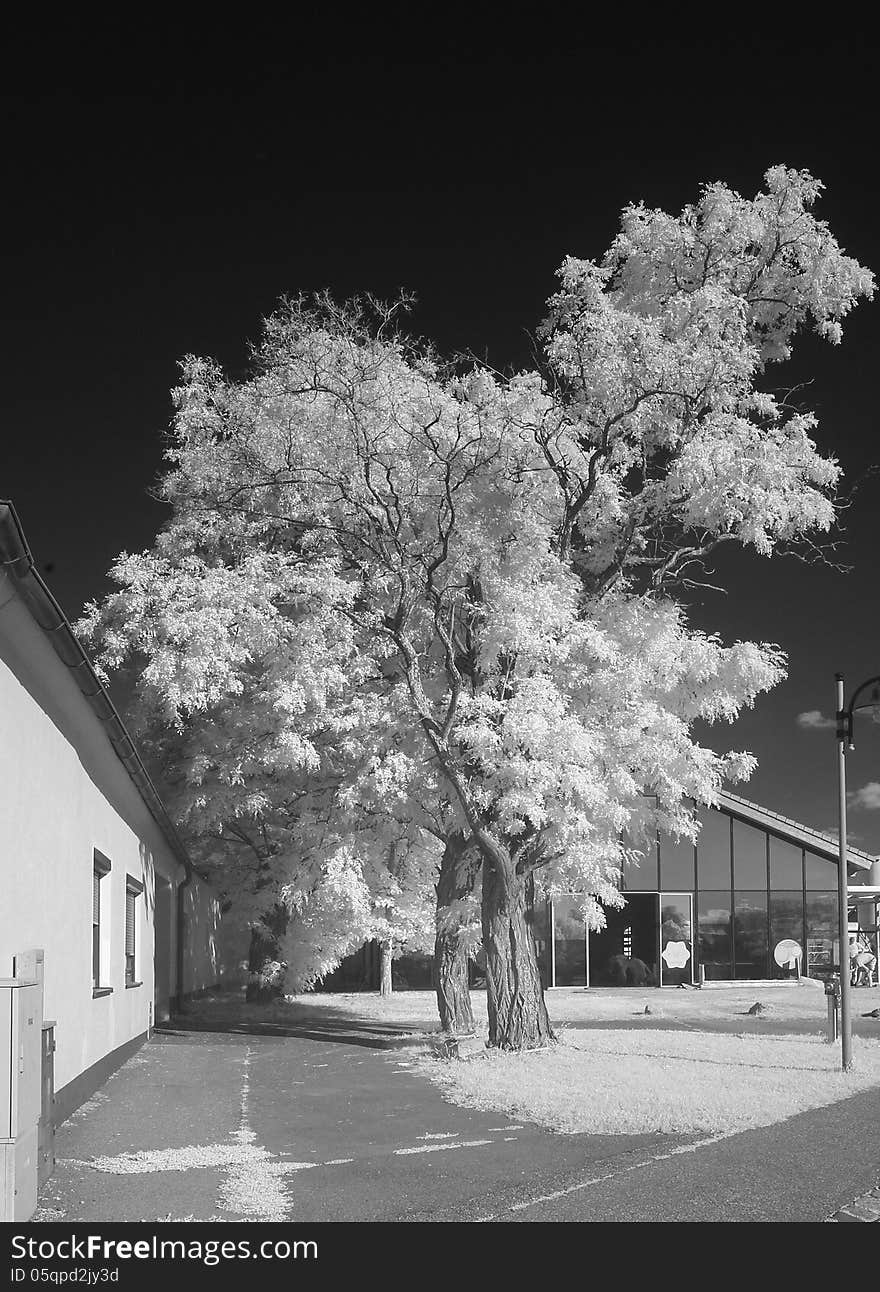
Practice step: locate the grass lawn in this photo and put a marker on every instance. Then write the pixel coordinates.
(698, 1064)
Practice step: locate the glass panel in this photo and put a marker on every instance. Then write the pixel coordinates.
(821, 933)
(676, 862)
(749, 856)
(786, 925)
(713, 849)
(624, 953)
(541, 934)
(713, 923)
(676, 947)
(640, 874)
(821, 873)
(786, 864)
(570, 942)
(750, 935)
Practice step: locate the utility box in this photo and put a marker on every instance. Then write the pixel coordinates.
(21, 1022)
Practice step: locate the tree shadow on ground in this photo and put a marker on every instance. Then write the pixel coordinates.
(304, 1024)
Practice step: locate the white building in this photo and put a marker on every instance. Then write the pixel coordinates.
(92, 872)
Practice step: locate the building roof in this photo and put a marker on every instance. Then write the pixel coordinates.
(793, 830)
(17, 561)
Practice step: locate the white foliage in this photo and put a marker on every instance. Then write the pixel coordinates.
(391, 600)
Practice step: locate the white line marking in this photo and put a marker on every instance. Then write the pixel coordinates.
(610, 1175)
(436, 1148)
(439, 1135)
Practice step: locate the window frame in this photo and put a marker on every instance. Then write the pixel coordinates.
(101, 868)
(133, 890)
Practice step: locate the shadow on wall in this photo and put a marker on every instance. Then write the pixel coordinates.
(212, 955)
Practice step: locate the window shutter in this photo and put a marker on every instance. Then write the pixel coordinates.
(129, 923)
(96, 898)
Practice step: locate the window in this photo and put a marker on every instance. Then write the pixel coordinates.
(133, 889)
(714, 926)
(570, 936)
(640, 871)
(749, 856)
(676, 863)
(713, 850)
(786, 922)
(822, 932)
(821, 873)
(100, 868)
(750, 940)
(786, 864)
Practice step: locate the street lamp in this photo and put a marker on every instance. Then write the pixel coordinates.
(844, 742)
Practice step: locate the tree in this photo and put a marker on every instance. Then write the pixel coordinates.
(493, 565)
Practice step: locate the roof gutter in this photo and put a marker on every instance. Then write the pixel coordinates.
(17, 561)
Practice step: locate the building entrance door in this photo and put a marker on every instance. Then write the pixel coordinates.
(676, 939)
(625, 952)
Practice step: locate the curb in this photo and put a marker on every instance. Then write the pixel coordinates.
(866, 1208)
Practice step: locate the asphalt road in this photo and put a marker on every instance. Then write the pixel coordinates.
(326, 1121)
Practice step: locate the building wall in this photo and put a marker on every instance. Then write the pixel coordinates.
(215, 949)
(63, 794)
(733, 897)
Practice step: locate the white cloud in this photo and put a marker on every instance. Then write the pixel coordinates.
(813, 718)
(867, 797)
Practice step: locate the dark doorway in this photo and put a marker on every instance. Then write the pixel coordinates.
(630, 935)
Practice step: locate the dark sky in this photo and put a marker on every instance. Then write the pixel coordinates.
(161, 205)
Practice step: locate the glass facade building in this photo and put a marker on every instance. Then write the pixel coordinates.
(755, 898)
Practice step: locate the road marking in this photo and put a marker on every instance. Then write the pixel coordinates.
(864, 1208)
(609, 1175)
(436, 1148)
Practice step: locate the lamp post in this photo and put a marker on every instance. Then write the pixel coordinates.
(844, 742)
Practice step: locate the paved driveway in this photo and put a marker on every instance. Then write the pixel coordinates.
(325, 1120)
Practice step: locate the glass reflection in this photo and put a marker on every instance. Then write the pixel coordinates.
(714, 931)
(713, 849)
(569, 942)
(786, 864)
(786, 924)
(676, 862)
(821, 873)
(541, 934)
(676, 947)
(640, 874)
(821, 919)
(750, 935)
(749, 856)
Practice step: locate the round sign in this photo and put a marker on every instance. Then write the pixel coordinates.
(787, 952)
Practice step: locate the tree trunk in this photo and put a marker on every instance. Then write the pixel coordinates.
(266, 969)
(458, 874)
(518, 1018)
(385, 985)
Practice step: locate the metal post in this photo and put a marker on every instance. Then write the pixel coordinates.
(843, 921)
(833, 1016)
